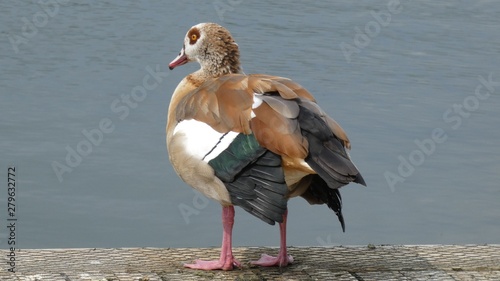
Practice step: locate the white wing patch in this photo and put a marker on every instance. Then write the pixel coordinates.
(201, 140)
(257, 101)
(287, 108)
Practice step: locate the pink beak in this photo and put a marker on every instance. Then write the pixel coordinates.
(179, 60)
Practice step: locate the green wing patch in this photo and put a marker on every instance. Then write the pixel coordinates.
(242, 151)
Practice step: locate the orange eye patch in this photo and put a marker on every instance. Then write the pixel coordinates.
(193, 35)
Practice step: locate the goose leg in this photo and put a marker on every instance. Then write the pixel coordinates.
(226, 260)
(282, 259)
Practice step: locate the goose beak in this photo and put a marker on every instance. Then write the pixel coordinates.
(179, 60)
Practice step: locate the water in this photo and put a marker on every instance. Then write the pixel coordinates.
(399, 85)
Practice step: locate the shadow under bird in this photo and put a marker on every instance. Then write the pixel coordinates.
(252, 141)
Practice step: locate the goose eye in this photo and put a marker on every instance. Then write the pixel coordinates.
(193, 38)
(193, 35)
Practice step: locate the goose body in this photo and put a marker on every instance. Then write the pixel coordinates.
(253, 141)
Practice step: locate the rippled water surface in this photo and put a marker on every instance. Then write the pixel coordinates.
(409, 84)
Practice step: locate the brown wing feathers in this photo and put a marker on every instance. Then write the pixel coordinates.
(225, 103)
(287, 88)
(221, 103)
(289, 124)
(277, 133)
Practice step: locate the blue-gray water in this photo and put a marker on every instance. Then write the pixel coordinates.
(68, 66)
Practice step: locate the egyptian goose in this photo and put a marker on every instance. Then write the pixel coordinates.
(253, 141)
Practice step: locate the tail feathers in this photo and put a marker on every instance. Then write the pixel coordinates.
(327, 155)
(359, 179)
(329, 163)
(328, 158)
(331, 197)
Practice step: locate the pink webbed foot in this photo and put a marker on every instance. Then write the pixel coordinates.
(226, 260)
(214, 265)
(280, 260)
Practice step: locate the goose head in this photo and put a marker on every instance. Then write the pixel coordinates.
(213, 47)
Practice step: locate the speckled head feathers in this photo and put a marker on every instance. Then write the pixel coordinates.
(213, 47)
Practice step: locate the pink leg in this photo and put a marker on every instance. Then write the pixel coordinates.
(282, 259)
(226, 260)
